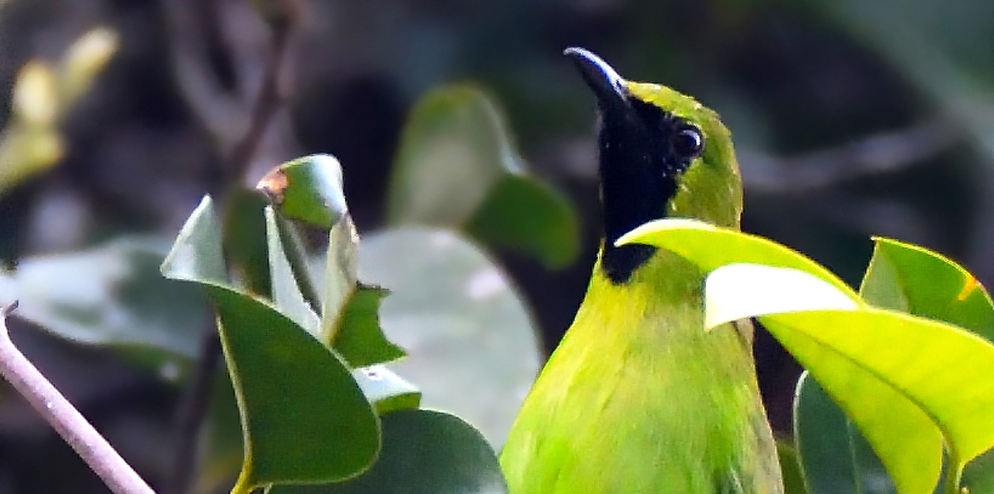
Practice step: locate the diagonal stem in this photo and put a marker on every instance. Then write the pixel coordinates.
(64, 418)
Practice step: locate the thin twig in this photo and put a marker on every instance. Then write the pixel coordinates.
(266, 103)
(64, 418)
(875, 154)
(193, 409)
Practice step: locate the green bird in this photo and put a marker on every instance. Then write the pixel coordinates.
(638, 397)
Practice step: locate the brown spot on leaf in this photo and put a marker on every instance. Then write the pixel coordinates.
(274, 185)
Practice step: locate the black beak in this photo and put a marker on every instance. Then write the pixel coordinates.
(607, 85)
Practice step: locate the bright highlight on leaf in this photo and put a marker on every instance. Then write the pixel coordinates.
(772, 290)
(710, 247)
(906, 381)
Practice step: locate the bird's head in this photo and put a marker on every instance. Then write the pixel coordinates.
(662, 154)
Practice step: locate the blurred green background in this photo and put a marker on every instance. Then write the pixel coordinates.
(851, 118)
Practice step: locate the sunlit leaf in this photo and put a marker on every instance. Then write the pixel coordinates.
(861, 358)
(918, 281)
(910, 279)
(772, 290)
(304, 417)
(836, 457)
(470, 343)
(424, 452)
(710, 247)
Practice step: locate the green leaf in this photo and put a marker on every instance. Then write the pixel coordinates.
(245, 240)
(470, 342)
(525, 214)
(340, 276)
(910, 279)
(918, 281)
(898, 407)
(424, 452)
(978, 475)
(287, 296)
(196, 254)
(112, 294)
(350, 316)
(836, 457)
(360, 341)
(772, 290)
(308, 189)
(304, 417)
(456, 167)
(793, 480)
(710, 247)
(385, 390)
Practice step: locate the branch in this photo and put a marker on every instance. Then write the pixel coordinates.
(879, 153)
(265, 105)
(64, 418)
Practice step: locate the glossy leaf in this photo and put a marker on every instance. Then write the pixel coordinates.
(456, 167)
(360, 341)
(112, 294)
(349, 322)
(424, 452)
(710, 247)
(470, 343)
(308, 189)
(304, 417)
(773, 290)
(918, 281)
(836, 457)
(245, 241)
(385, 390)
(860, 357)
(287, 296)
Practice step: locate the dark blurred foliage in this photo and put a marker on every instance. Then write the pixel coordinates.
(849, 119)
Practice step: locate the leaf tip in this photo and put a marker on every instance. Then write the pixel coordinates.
(274, 185)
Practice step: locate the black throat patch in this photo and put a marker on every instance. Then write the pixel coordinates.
(639, 174)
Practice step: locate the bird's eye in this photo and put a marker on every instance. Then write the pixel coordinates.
(687, 142)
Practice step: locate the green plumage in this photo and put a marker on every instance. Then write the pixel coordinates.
(638, 398)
